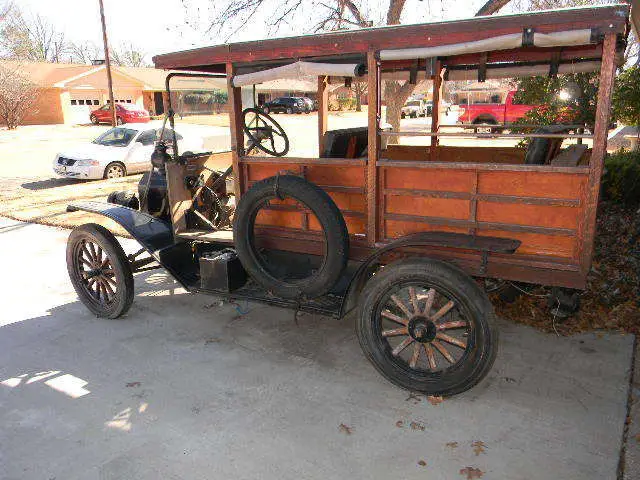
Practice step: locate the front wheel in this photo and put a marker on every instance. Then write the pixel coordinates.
(289, 111)
(115, 170)
(99, 271)
(426, 326)
(93, 119)
(119, 121)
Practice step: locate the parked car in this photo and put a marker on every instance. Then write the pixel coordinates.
(413, 108)
(125, 113)
(493, 113)
(285, 105)
(117, 152)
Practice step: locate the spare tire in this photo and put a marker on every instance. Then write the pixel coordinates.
(328, 215)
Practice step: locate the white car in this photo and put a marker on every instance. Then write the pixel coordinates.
(413, 108)
(118, 152)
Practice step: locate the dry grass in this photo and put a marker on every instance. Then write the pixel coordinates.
(46, 202)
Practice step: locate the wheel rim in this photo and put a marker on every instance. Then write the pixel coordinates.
(422, 329)
(115, 171)
(95, 272)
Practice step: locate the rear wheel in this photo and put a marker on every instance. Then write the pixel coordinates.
(289, 110)
(115, 170)
(426, 326)
(99, 271)
(266, 110)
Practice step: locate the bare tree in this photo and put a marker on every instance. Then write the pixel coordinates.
(31, 38)
(359, 88)
(128, 56)
(85, 52)
(17, 96)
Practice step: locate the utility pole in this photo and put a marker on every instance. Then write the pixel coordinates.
(108, 63)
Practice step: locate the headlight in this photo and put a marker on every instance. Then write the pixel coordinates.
(87, 163)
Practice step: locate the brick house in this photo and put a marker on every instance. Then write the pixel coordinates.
(68, 92)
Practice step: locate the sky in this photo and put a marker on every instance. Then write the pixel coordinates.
(159, 26)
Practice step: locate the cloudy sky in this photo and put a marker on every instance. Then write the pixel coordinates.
(158, 26)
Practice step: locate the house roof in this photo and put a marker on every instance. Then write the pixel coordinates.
(47, 74)
(51, 75)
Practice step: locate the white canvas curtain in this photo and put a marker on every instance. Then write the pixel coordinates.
(299, 70)
(502, 42)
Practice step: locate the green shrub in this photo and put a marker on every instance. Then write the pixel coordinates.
(621, 179)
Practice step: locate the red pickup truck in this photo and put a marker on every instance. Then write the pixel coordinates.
(493, 113)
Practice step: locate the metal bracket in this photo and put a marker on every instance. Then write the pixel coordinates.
(555, 64)
(597, 36)
(413, 73)
(527, 37)
(484, 262)
(482, 67)
(430, 67)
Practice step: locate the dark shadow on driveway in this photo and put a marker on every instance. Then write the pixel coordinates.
(50, 183)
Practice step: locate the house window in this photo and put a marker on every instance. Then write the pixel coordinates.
(96, 102)
(80, 102)
(88, 102)
(73, 102)
(128, 101)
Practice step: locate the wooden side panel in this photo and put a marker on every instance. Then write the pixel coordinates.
(345, 184)
(429, 179)
(542, 209)
(532, 184)
(445, 153)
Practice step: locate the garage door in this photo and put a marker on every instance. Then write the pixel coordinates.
(81, 107)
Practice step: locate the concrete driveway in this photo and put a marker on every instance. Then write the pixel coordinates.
(185, 387)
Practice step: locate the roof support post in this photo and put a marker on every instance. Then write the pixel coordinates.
(323, 110)
(373, 109)
(236, 127)
(435, 110)
(603, 118)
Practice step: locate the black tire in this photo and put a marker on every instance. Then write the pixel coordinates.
(119, 121)
(327, 213)
(470, 304)
(402, 115)
(266, 110)
(289, 110)
(111, 170)
(94, 119)
(121, 284)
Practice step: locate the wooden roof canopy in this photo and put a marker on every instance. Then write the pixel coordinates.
(352, 45)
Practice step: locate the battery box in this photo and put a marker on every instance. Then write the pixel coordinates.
(221, 271)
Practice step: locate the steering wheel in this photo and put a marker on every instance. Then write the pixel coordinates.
(261, 127)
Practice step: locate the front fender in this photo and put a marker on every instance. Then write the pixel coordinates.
(153, 234)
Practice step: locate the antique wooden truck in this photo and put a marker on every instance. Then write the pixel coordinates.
(402, 235)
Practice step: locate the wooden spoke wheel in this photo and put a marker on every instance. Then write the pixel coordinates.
(99, 271)
(427, 327)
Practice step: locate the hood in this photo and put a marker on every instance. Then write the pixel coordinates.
(95, 152)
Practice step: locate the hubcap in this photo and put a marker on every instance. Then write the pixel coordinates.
(422, 330)
(114, 172)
